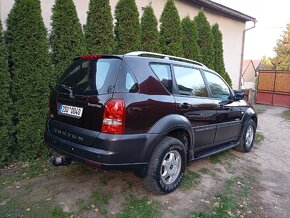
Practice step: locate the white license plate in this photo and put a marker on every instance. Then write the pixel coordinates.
(70, 110)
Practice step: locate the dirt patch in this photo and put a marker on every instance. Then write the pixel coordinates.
(256, 184)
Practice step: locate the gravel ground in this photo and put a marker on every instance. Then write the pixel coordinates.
(272, 158)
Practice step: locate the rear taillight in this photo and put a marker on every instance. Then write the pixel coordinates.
(114, 117)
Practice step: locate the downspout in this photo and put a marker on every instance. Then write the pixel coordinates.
(242, 54)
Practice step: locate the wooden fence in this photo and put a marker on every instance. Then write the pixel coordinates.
(274, 88)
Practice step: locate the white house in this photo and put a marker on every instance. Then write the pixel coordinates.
(232, 24)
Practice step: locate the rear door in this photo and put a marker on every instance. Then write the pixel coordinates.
(193, 102)
(82, 91)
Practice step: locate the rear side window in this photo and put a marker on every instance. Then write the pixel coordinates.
(163, 72)
(126, 81)
(190, 81)
(86, 77)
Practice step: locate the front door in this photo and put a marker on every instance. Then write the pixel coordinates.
(229, 115)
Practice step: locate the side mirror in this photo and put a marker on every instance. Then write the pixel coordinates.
(239, 95)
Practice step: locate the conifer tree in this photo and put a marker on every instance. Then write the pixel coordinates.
(228, 79)
(149, 31)
(127, 27)
(99, 28)
(205, 39)
(219, 65)
(28, 49)
(6, 109)
(66, 38)
(170, 30)
(189, 40)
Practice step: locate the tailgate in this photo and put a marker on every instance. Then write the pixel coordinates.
(80, 95)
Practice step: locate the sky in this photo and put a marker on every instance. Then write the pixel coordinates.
(272, 17)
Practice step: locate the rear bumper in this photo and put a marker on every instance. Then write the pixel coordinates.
(107, 151)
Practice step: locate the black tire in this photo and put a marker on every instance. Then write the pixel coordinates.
(153, 179)
(141, 173)
(245, 146)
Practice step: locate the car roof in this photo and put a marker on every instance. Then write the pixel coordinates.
(183, 62)
(163, 56)
(153, 57)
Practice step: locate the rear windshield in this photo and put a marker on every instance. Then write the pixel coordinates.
(87, 77)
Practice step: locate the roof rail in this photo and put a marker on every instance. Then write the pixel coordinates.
(141, 53)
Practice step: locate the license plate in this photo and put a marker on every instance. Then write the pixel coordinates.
(70, 110)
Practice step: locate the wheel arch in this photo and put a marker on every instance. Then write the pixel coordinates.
(249, 114)
(176, 126)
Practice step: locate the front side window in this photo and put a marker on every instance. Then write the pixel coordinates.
(163, 72)
(217, 86)
(190, 81)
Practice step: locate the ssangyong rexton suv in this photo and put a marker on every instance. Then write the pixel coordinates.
(147, 112)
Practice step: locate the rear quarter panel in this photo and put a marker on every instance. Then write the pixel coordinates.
(150, 103)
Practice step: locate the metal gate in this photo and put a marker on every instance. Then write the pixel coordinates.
(274, 88)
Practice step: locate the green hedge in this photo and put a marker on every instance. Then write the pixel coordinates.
(219, 65)
(149, 31)
(66, 38)
(99, 28)
(24, 85)
(189, 40)
(127, 27)
(170, 30)
(28, 49)
(205, 39)
(6, 107)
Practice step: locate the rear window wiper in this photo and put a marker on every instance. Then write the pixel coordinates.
(71, 95)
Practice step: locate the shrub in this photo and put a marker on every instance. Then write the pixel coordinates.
(6, 107)
(219, 65)
(99, 35)
(205, 39)
(149, 31)
(28, 50)
(228, 79)
(127, 27)
(170, 30)
(189, 40)
(66, 38)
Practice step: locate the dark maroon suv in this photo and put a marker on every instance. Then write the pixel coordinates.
(147, 112)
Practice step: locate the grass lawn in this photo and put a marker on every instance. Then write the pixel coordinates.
(39, 190)
(286, 114)
(259, 137)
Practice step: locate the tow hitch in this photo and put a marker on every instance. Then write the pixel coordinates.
(60, 160)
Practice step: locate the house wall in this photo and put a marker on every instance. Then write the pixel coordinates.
(232, 30)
